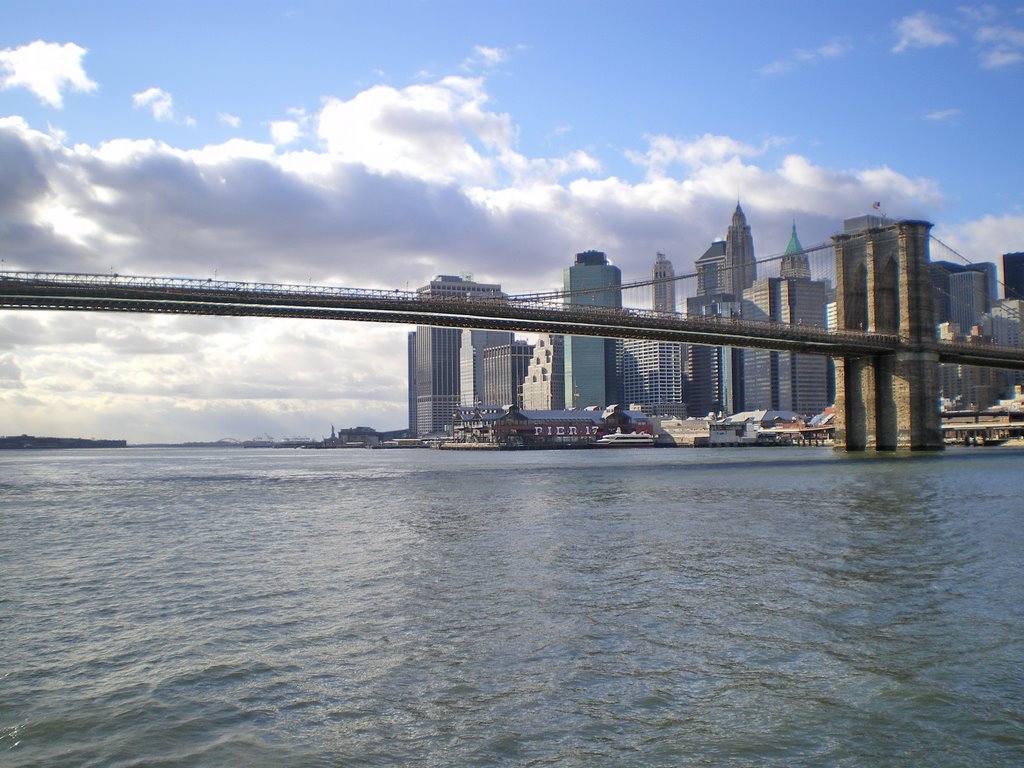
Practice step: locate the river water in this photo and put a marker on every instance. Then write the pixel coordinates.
(750, 607)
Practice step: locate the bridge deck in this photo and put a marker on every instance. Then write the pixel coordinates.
(119, 293)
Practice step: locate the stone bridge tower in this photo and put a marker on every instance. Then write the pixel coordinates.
(887, 402)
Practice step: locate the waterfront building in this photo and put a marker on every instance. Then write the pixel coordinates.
(652, 372)
(509, 426)
(745, 428)
(1013, 275)
(353, 437)
(592, 365)
(471, 363)
(436, 376)
(505, 367)
(681, 431)
(544, 383)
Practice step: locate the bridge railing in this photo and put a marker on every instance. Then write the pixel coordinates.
(196, 285)
(226, 291)
(995, 352)
(137, 287)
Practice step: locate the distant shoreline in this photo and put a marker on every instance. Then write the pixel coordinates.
(31, 442)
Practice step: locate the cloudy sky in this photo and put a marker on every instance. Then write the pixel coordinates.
(379, 143)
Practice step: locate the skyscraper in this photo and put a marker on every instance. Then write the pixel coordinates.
(505, 367)
(739, 254)
(436, 377)
(711, 272)
(786, 380)
(1013, 275)
(652, 371)
(794, 261)
(471, 364)
(945, 282)
(1006, 328)
(592, 365)
(664, 288)
(714, 375)
(969, 299)
(410, 354)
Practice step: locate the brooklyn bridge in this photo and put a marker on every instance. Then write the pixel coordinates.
(884, 342)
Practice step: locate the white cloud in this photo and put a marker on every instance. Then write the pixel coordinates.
(997, 43)
(408, 183)
(979, 13)
(160, 104)
(46, 69)
(1001, 46)
(228, 119)
(665, 151)
(484, 56)
(804, 56)
(921, 30)
(10, 373)
(285, 132)
(438, 132)
(984, 239)
(943, 115)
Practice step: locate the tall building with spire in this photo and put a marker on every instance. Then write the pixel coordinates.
(714, 375)
(741, 269)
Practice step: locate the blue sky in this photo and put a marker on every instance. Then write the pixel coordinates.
(382, 143)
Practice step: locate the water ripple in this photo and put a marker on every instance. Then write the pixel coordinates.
(667, 608)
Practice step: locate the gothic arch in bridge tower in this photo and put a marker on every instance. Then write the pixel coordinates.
(887, 309)
(888, 401)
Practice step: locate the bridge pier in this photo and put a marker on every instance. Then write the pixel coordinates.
(887, 402)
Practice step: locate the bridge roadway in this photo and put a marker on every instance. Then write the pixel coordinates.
(124, 293)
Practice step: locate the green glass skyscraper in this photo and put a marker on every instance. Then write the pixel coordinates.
(592, 366)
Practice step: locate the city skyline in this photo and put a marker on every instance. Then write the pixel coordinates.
(376, 153)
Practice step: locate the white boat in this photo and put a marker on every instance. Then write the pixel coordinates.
(624, 440)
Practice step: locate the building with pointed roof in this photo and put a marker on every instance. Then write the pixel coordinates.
(794, 260)
(739, 254)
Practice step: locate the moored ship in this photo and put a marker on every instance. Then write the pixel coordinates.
(624, 440)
